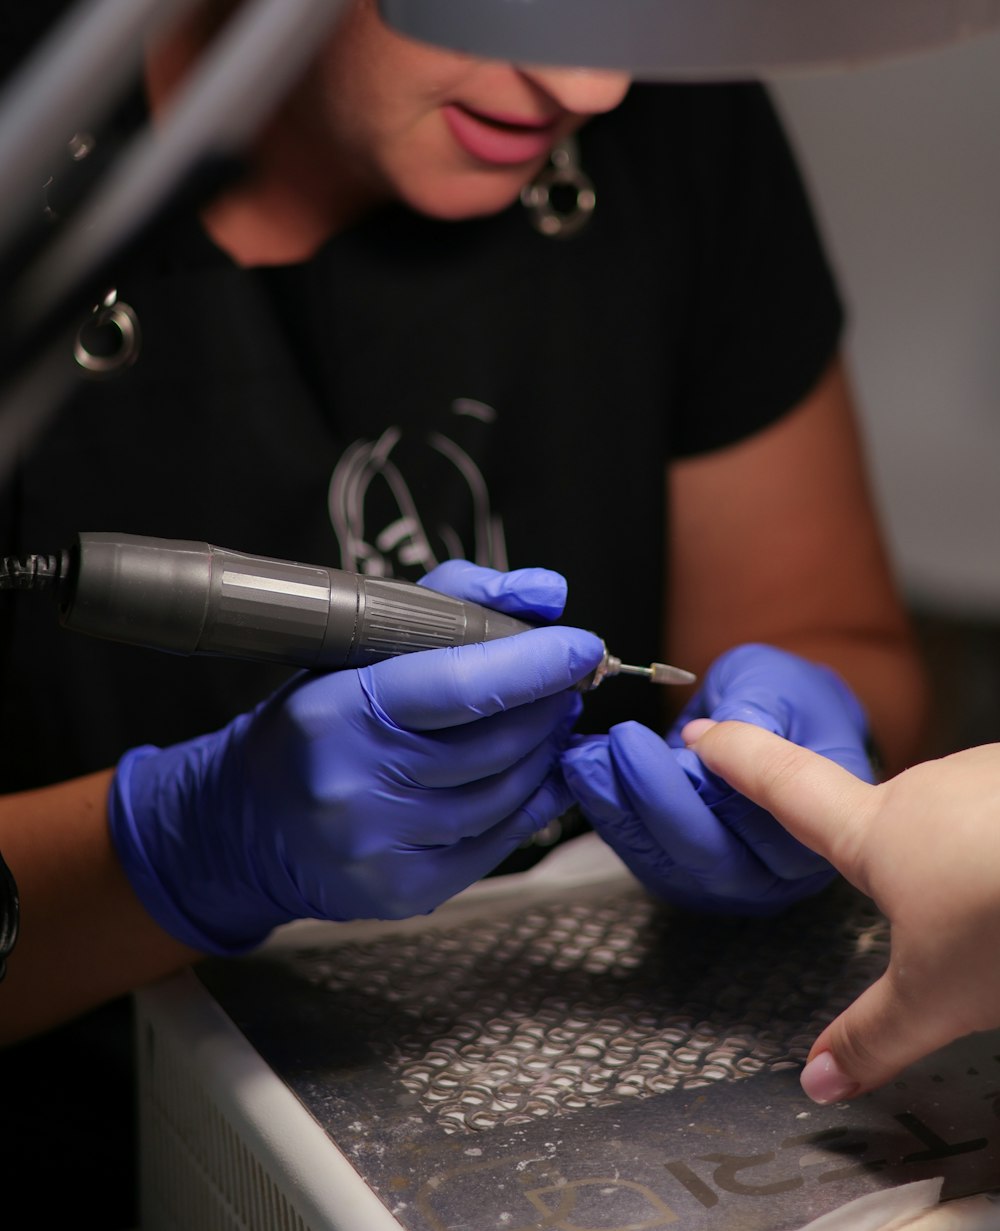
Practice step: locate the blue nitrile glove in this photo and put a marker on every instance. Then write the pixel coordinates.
(372, 793)
(685, 834)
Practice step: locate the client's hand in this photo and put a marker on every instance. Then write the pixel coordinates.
(924, 846)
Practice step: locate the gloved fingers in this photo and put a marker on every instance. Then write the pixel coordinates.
(470, 809)
(552, 800)
(804, 701)
(771, 712)
(740, 669)
(801, 695)
(387, 854)
(640, 800)
(455, 756)
(448, 687)
(770, 842)
(679, 821)
(750, 669)
(590, 776)
(524, 592)
(817, 704)
(741, 699)
(467, 861)
(427, 877)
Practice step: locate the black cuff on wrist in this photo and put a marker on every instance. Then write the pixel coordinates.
(10, 914)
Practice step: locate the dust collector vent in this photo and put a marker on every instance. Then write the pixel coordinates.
(197, 1174)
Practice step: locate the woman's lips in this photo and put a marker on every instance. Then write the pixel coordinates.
(497, 140)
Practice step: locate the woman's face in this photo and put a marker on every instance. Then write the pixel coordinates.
(451, 136)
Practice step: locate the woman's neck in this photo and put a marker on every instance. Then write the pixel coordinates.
(293, 199)
(282, 213)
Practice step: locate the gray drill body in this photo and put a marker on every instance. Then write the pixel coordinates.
(192, 598)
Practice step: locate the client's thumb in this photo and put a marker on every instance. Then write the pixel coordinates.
(872, 1041)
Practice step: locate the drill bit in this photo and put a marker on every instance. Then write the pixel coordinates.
(656, 673)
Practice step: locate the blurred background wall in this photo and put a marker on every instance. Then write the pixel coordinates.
(904, 165)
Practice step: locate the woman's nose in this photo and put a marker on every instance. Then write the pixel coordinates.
(583, 91)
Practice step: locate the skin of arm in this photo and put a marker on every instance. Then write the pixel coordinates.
(925, 846)
(775, 539)
(84, 937)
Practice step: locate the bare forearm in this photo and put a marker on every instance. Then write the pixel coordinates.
(84, 936)
(776, 540)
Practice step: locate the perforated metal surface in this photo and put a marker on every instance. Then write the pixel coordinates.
(593, 1061)
(576, 1004)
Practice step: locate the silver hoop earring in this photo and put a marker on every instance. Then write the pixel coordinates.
(562, 197)
(109, 339)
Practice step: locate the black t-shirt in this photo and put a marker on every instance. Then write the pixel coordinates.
(421, 390)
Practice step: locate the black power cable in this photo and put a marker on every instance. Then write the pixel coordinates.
(35, 572)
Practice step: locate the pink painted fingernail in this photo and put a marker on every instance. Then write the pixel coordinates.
(823, 1081)
(695, 729)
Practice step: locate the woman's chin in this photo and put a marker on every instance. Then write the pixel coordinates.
(474, 197)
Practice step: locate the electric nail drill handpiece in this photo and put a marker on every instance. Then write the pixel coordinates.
(189, 597)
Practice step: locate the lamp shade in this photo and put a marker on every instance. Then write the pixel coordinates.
(691, 38)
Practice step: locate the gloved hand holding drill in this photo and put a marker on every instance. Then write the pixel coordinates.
(372, 793)
(690, 838)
